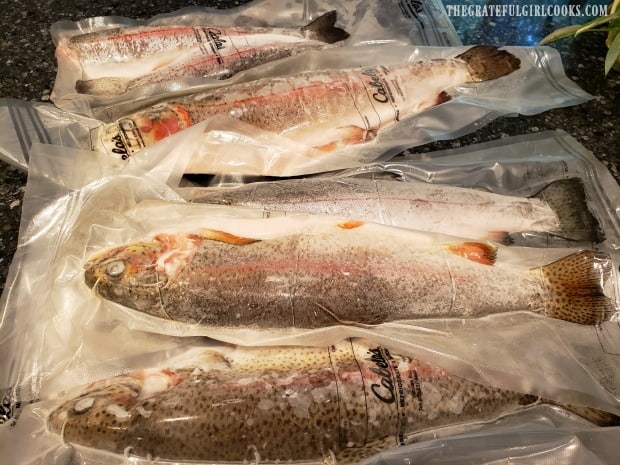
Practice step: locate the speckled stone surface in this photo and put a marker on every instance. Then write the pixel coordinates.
(28, 69)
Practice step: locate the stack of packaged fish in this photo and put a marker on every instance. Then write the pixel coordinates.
(383, 312)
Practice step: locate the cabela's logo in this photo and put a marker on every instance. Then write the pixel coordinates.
(215, 38)
(380, 95)
(385, 389)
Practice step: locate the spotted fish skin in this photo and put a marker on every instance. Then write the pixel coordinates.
(346, 401)
(342, 273)
(325, 110)
(115, 61)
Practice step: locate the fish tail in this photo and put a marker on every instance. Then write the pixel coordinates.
(103, 86)
(486, 62)
(575, 287)
(567, 198)
(323, 28)
(593, 415)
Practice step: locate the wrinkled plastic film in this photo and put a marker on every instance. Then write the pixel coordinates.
(368, 398)
(532, 354)
(208, 43)
(385, 119)
(92, 317)
(232, 147)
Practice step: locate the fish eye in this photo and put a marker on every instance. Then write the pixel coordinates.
(115, 269)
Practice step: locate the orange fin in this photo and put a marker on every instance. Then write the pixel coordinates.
(479, 252)
(350, 224)
(576, 288)
(221, 236)
(349, 135)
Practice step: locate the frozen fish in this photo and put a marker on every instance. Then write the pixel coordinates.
(323, 404)
(559, 209)
(140, 55)
(340, 272)
(323, 110)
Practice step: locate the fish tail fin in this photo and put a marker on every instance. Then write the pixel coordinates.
(486, 62)
(567, 198)
(103, 86)
(576, 288)
(323, 28)
(593, 415)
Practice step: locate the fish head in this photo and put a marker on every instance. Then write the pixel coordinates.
(129, 275)
(102, 414)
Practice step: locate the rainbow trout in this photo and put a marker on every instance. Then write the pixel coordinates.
(343, 402)
(348, 272)
(559, 209)
(131, 57)
(323, 110)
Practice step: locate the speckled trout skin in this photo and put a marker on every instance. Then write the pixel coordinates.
(347, 402)
(112, 59)
(343, 273)
(559, 209)
(324, 110)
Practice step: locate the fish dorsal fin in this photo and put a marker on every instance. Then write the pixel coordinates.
(479, 252)
(222, 236)
(323, 28)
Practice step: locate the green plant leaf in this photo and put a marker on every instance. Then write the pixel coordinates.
(612, 54)
(597, 22)
(560, 34)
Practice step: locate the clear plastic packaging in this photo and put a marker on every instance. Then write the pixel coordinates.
(380, 101)
(193, 44)
(342, 403)
(222, 144)
(57, 335)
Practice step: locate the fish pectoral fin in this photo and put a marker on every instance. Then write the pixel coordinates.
(348, 135)
(222, 236)
(350, 224)
(479, 252)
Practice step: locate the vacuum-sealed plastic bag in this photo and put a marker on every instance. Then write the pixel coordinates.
(24, 123)
(342, 403)
(540, 189)
(58, 335)
(238, 143)
(111, 59)
(278, 126)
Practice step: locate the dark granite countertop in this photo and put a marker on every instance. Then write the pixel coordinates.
(29, 69)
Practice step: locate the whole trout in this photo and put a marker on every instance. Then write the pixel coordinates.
(126, 58)
(345, 272)
(559, 209)
(323, 110)
(344, 402)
